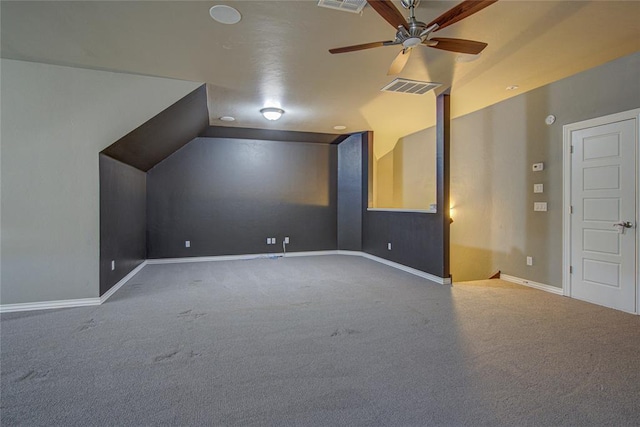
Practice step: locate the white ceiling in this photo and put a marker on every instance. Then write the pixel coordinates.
(278, 54)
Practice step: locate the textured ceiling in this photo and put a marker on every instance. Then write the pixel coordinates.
(278, 54)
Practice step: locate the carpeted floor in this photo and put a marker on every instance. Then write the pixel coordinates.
(324, 341)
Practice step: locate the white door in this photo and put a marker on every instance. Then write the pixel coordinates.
(603, 220)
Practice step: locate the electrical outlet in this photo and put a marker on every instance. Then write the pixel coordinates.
(286, 240)
(529, 260)
(538, 188)
(269, 241)
(113, 265)
(389, 246)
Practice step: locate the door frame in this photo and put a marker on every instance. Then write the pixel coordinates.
(566, 193)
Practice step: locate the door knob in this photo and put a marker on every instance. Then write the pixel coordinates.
(623, 225)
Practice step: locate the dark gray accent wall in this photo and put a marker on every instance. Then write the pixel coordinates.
(226, 196)
(418, 240)
(160, 136)
(122, 220)
(415, 239)
(351, 197)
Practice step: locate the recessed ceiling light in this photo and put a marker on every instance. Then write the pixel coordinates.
(513, 87)
(225, 14)
(340, 127)
(227, 119)
(272, 113)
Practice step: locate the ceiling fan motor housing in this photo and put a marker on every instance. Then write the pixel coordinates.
(416, 34)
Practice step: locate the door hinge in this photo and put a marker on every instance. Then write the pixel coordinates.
(570, 209)
(570, 269)
(572, 149)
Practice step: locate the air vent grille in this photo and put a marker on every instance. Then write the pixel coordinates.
(410, 86)
(354, 6)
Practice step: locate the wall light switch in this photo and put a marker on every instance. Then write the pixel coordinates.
(537, 167)
(187, 243)
(389, 246)
(538, 188)
(268, 240)
(273, 240)
(113, 265)
(529, 260)
(540, 206)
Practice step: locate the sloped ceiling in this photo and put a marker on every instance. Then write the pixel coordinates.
(278, 54)
(164, 134)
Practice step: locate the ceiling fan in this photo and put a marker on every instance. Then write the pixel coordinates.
(413, 33)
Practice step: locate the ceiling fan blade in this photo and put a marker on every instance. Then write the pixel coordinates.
(359, 47)
(457, 45)
(459, 12)
(389, 12)
(398, 64)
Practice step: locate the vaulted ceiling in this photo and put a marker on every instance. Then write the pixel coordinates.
(278, 54)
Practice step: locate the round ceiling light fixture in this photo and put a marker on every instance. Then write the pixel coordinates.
(272, 113)
(340, 127)
(225, 14)
(227, 119)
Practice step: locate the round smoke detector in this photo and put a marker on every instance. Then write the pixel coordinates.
(225, 14)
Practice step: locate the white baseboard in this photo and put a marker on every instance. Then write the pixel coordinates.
(532, 284)
(237, 257)
(157, 261)
(47, 305)
(415, 272)
(122, 281)
(431, 277)
(311, 253)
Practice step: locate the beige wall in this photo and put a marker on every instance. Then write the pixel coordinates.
(55, 120)
(406, 175)
(492, 151)
(384, 188)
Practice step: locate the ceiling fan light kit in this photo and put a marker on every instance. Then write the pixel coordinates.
(272, 113)
(411, 32)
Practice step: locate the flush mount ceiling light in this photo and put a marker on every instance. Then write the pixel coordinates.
(340, 127)
(272, 113)
(227, 119)
(225, 14)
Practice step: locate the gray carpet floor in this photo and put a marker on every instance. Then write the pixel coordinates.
(324, 341)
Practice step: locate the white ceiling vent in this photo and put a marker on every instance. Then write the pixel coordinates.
(410, 86)
(354, 6)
